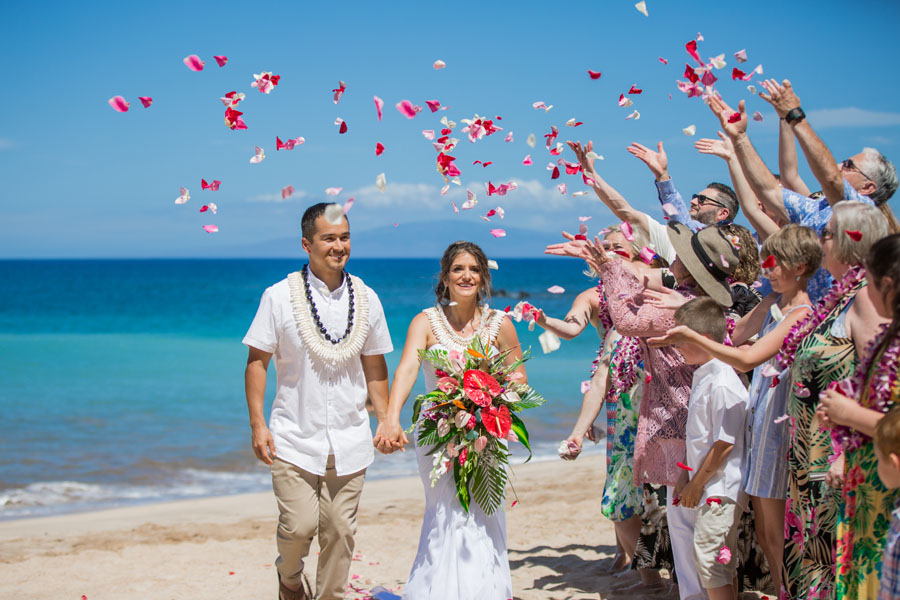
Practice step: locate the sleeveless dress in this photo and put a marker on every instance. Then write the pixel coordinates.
(827, 354)
(461, 556)
(767, 442)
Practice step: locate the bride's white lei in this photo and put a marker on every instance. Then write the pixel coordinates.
(338, 354)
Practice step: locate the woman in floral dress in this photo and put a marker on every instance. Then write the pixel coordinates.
(864, 521)
(821, 350)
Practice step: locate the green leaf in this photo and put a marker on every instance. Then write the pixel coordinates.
(462, 488)
(489, 479)
(521, 432)
(528, 399)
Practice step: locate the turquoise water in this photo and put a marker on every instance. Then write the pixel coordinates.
(123, 379)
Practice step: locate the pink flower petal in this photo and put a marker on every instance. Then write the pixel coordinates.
(287, 192)
(625, 227)
(146, 101)
(221, 60)
(455, 208)
(333, 191)
(527, 160)
(562, 188)
(724, 556)
(741, 55)
(585, 386)
(498, 233)
(339, 91)
(428, 134)
(781, 419)
(663, 60)
(213, 186)
(555, 289)
(379, 104)
(210, 228)
(439, 64)
(769, 370)
(118, 103)
(646, 254)
(406, 108)
(669, 209)
(757, 116)
(379, 148)
(184, 197)
(193, 62)
(509, 137)
(433, 105)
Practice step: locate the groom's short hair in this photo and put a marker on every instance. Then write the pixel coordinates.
(308, 221)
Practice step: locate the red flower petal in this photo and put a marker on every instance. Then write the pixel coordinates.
(594, 74)
(343, 128)
(691, 48)
(737, 74)
(854, 235)
(689, 73)
(768, 263)
(734, 118)
(555, 174)
(379, 148)
(681, 465)
(635, 90)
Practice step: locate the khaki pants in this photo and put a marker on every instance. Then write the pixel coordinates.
(307, 504)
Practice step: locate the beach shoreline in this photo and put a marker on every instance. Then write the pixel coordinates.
(224, 546)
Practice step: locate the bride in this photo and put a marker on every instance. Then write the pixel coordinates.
(461, 556)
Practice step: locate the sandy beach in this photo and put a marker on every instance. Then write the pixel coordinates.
(224, 547)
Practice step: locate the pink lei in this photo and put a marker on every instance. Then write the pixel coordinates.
(835, 295)
(883, 380)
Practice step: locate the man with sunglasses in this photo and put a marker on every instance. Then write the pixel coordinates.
(716, 204)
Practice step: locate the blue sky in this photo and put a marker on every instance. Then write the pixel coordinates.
(80, 180)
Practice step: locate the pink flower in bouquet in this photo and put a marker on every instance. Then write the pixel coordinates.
(462, 419)
(457, 360)
(511, 436)
(480, 443)
(448, 385)
(462, 456)
(439, 373)
(480, 387)
(443, 427)
(452, 450)
(496, 420)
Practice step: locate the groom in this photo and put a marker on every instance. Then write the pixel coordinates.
(328, 334)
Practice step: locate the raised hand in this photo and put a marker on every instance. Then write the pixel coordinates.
(676, 335)
(733, 126)
(581, 153)
(722, 147)
(657, 162)
(665, 298)
(780, 95)
(573, 247)
(595, 254)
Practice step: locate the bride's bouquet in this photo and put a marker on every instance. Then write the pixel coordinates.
(470, 416)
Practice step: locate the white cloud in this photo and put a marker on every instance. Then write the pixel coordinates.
(851, 117)
(276, 198)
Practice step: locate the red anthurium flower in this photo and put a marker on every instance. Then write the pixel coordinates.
(480, 387)
(496, 420)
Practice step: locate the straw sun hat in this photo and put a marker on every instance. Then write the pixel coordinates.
(708, 256)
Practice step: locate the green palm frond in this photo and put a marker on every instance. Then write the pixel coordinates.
(527, 399)
(489, 480)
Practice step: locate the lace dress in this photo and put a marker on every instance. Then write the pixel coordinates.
(461, 556)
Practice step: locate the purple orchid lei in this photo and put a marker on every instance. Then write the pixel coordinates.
(882, 381)
(837, 295)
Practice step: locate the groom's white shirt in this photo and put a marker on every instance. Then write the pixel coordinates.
(318, 410)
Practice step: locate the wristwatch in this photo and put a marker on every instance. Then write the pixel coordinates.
(794, 115)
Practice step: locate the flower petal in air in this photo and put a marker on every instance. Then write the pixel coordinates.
(381, 182)
(549, 342)
(287, 192)
(741, 56)
(193, 62)
(594, 74)
(439, 64)
(379, 148)
(635, 115)
(562, 189)
(585, 386)
(718, 61)
(768, 263)
(379, 104)
(634, 89)
(184, 197)
(119, 104)
(626, 230)
(642, 8)
(664, 61)
(406, 108)
(334, 214)
(509, 137)
(221, 60)
(681, 465)
(433, 105)
(212, 186)
(724, 556)
(646, 254)
(854, 235)
(471, 200)
(757, 116)
(498, 233)
(691, 48)
(556, 289)
(146, 101)
(339, 91)
(689, 130)
(211, 228)
(428, 134)
(769, 370)
(333, 191)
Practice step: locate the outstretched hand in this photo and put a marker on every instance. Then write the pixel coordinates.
(677, 335)
(722, 147)
(657, 162)
(734, 123)
(581, 153)
(573, 247)
(594, 254)
(665, 298)
(780, 95)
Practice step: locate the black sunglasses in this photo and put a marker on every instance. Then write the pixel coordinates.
(701, 200)
(849, 165)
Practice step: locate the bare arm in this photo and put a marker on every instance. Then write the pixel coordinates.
(762, 182)
(405, 378)
(724, 149)
(821, 162)
(255, 391)
(591, 405)
(863, 321)
(787, 160)
(578, 318)
(508, 339)
(608, 194)
(376, 373)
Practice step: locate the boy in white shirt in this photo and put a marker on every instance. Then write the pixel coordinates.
(715, 440)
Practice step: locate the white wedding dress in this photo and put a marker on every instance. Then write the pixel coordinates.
(461, 556)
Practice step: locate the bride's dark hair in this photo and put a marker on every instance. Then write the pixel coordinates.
(450, 254)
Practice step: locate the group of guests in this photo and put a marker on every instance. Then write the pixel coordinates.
(749, 377)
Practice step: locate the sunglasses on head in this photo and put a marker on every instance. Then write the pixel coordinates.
(701, 200)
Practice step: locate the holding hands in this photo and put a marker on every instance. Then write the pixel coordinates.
(389, 437)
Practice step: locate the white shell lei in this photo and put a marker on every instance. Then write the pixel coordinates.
(331, 354)
(449, 339)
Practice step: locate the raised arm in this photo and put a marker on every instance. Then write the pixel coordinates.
(743, 359)
(607, 193)
(821, 162)
(658, 163)
(762, 182)
(787, 159)
(578, 318)
(404, 379)
(724, 149)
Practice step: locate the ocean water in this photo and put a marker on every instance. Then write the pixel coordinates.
(122, 380)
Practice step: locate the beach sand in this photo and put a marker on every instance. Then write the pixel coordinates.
(559, 544)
